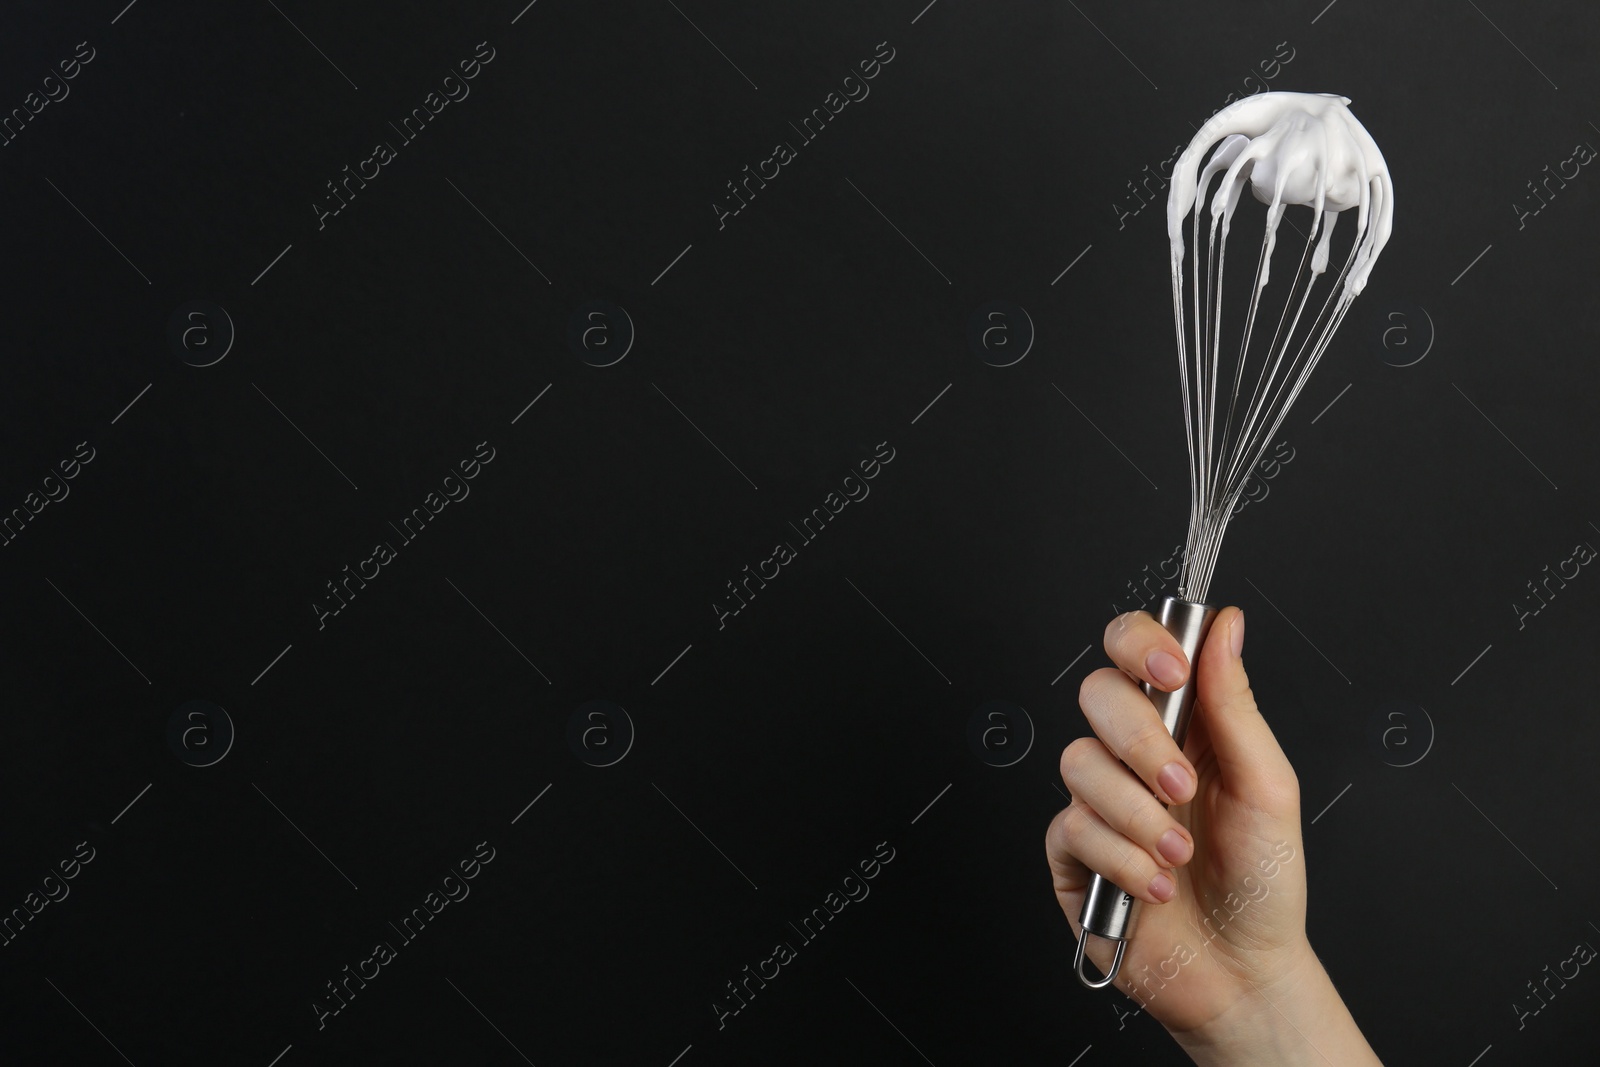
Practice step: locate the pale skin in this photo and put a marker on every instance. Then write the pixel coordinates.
(1222, 961)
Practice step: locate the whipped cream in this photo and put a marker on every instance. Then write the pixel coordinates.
(1291, 148)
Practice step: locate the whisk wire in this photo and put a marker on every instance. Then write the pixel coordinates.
(1222, 460)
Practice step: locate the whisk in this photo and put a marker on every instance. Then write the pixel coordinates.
(1301, 149)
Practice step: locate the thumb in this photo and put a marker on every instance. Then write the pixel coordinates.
(1253, 765)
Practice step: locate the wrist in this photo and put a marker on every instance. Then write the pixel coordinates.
(1294, 1018)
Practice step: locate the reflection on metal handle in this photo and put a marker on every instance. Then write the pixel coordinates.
(1108, 912)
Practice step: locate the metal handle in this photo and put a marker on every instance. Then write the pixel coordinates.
(1108, 912)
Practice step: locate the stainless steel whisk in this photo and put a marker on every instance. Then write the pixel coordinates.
(1291, 148)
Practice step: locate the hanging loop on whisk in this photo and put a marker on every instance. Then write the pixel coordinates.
(1080, 956)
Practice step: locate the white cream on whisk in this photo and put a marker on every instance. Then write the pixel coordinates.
(1293, 148)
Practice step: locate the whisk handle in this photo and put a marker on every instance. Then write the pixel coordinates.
(1108, 912)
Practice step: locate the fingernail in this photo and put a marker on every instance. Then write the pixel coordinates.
(1174, 781)
(1161, 887)
(1165, 668)
(1236, 632)
(1174, 846)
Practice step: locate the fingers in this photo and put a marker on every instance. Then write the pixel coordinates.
(1066, 869)
(1097, 780)
(1123, 718)
(1079, 841)
(1248, 755)
(1140, 645)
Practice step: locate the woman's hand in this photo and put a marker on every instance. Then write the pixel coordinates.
(1219, 954)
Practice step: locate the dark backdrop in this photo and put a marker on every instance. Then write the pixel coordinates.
(222, 786)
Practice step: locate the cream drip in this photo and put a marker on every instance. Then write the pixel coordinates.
(1302, 149)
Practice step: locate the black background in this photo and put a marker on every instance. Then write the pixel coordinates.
(771, 755)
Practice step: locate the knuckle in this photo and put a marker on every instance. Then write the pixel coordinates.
(1243, 701)
(1118, 629)
(1133, 871)
(1148, 744)
(1092, 689)
(1075, 823)
(1054, 833)
(1113, 635)
(1075, 757)
(1122, 623)
(1124, 862)
(1148, 821)
(1086, 689)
